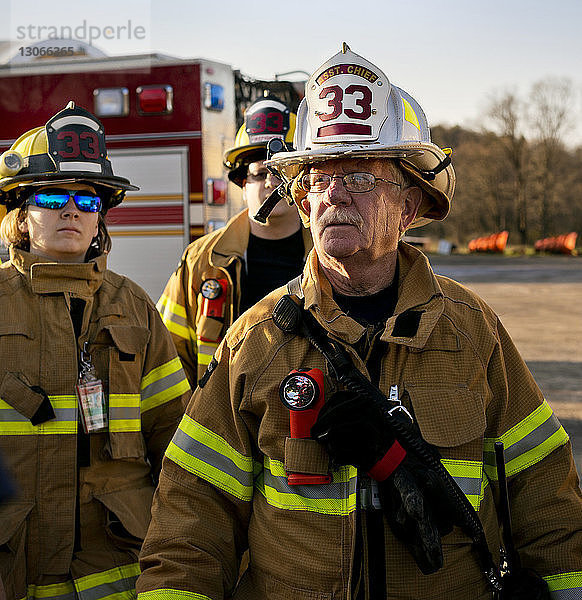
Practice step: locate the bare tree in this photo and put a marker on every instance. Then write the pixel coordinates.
(508, 114)
(551, 115)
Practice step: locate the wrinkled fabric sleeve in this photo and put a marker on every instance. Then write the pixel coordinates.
(203, 502)
(165, 391)
(545, 497)
(178, 306)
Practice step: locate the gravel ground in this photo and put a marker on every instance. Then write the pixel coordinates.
(539, 301)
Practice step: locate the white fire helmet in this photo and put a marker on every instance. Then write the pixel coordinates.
(351, 110)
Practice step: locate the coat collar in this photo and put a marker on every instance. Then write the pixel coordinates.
(418, 291)
(232, 241)
(49, 277)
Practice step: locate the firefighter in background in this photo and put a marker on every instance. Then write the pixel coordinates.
(344, 431)
(91, 387)
(227, 271)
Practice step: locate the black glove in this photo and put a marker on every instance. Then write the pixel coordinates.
(353, 430)
(419, 510)
(415, 500)
(524, 585)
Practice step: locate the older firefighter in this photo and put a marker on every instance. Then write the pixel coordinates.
(91, 387)
(346, 429)
(224, 273)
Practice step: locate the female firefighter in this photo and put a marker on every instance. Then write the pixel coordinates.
(91, 388)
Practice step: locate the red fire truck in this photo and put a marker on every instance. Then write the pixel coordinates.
(168, 122)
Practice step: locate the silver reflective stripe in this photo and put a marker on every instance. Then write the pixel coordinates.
(539, 435)
(209, 456)
(9, 415)
(163, 384)
(80, 166)
(571, 594)
(533, 439)
(470, 486)
(331, 491)
(125, 587)
(124, 413)
(208, 348)
(169, 315)
(335, 498)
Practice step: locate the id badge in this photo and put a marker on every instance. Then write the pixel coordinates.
(92, 405)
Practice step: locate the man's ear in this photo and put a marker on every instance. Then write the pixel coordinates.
(305, 205)
(412, 202)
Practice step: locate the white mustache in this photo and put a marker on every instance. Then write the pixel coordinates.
(341, 216)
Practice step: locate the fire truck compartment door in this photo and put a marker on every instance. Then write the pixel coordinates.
(151, 228)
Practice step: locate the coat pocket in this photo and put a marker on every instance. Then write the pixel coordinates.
(257, 584)
(305, 456)
(452, 418)
(284, 591)
(448, 416)
(13, 527)
(17, 340)
(128, 516)
(31, 402)
(125, 371)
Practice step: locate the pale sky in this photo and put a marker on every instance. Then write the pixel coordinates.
(451, 55)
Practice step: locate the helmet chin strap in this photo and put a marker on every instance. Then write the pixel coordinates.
(429, 175)
(269, 204)
(275, 145)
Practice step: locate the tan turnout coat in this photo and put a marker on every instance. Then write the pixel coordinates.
(224, 485)
(71, 526)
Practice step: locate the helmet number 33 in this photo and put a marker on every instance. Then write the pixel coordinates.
(70, 144)
(364, 102)
(271, 122)
(355, 103)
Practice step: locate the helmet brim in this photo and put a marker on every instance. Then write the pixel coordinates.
(235, 157)
(117, 185)
(238, 173)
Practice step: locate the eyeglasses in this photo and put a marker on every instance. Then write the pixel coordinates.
(353, 182)
(261, 176)
(56, 199)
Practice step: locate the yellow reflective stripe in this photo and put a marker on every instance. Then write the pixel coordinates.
(167, 594)
(409, 114)
(335, 498)
(160, 372)
(174, 318)
(468, 475)
(162, 384)
(55, 591)
(165, 303)
(115, 584)
(65, 407)
(528, 442)
(565, 586)
(204, 453)
(124, 412)
(206, 351)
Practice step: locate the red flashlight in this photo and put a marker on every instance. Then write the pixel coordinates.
(214, 297)
(302, 393)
